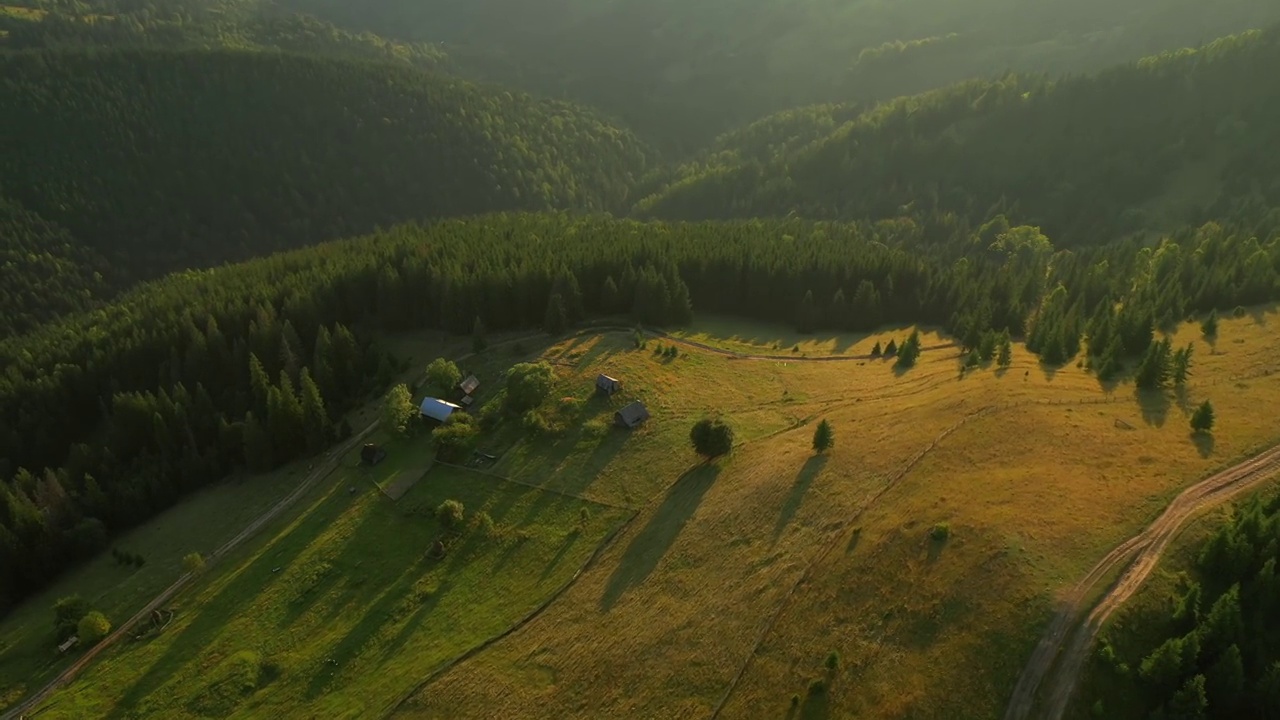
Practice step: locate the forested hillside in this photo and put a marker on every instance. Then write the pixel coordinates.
(242, 24)
(163, 160)
(1184, 137)
(44, 272)
(114, 413)
(682, 71)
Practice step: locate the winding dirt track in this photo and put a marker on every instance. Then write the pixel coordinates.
(1062, 651)
(330, 462)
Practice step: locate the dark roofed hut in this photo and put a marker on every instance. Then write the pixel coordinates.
(607, 385)
(371, 454)
(631, 415)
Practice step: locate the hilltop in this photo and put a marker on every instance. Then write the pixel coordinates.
(1148, 147)
(161, 160)
(681, 72)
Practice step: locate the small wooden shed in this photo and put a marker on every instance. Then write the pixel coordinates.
(607, 385)
(371, 454)
(631, 415)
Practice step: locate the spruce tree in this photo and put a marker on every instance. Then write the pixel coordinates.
(891, 349)
(555, 321)
(823, 439)
(1004, 357)
(1210, 325)
(610, 298)
(807, 315)
(479, 341)
(877, 351)
(1203, 418)
(314, 416)
(258, 453)
(1181, 365)
(910, 350)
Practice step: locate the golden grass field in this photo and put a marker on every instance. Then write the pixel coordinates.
(1034, 490)
(696, 605)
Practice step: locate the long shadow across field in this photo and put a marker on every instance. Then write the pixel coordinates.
(217, 613)
(652, 543)
(803, 480)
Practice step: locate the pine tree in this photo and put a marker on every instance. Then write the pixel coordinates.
(1182, 365)
(877, 351)
(1004, 357)
(479, 341)
(1203, 418)
(891, 349)
(314, 416)
(910, 350)
(1153, 371)
(823, 439)
(258, 453)
(284, 420)
(807, 314)
(259, 384)
(555, 321)
(610, 298)
(1210, 325)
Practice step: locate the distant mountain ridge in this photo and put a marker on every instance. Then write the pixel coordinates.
(1180, 138)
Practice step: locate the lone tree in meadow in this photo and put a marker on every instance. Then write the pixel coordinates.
(823, 439)
(397, 409)
(92, 628)
(1210, 325)
(711, 437)
(67, 613)
(1202, 419)
(193, 563)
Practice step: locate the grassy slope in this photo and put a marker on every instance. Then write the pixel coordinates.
(661, 624)
(1034, 491)
(337, 612)
(200, 524)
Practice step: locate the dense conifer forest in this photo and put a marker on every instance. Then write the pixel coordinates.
(161, 160)
(1180, 138)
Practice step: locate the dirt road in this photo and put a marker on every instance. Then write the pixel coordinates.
(330, 462)
(1062, 651)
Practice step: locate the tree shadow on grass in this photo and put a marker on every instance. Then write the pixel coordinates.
(1204, 443)
(213, 616)
(799, 487)
(1155, 406)
(570, 540)
(573, 475)
(816, 706)
(649, 546)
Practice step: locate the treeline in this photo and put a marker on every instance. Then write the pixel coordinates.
(113, 414)
(1217, 654)
(163, 160)
(1087, 159)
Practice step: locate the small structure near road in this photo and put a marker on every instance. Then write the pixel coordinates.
(607, 385)
(70, 643)
(437, 409)
(468, 386)
(371, 454)
(631, 416)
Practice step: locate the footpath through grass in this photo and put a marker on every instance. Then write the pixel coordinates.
(28, 655)
(339, 611)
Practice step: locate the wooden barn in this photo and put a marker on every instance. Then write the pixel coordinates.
(607, 385)
(631, 416)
